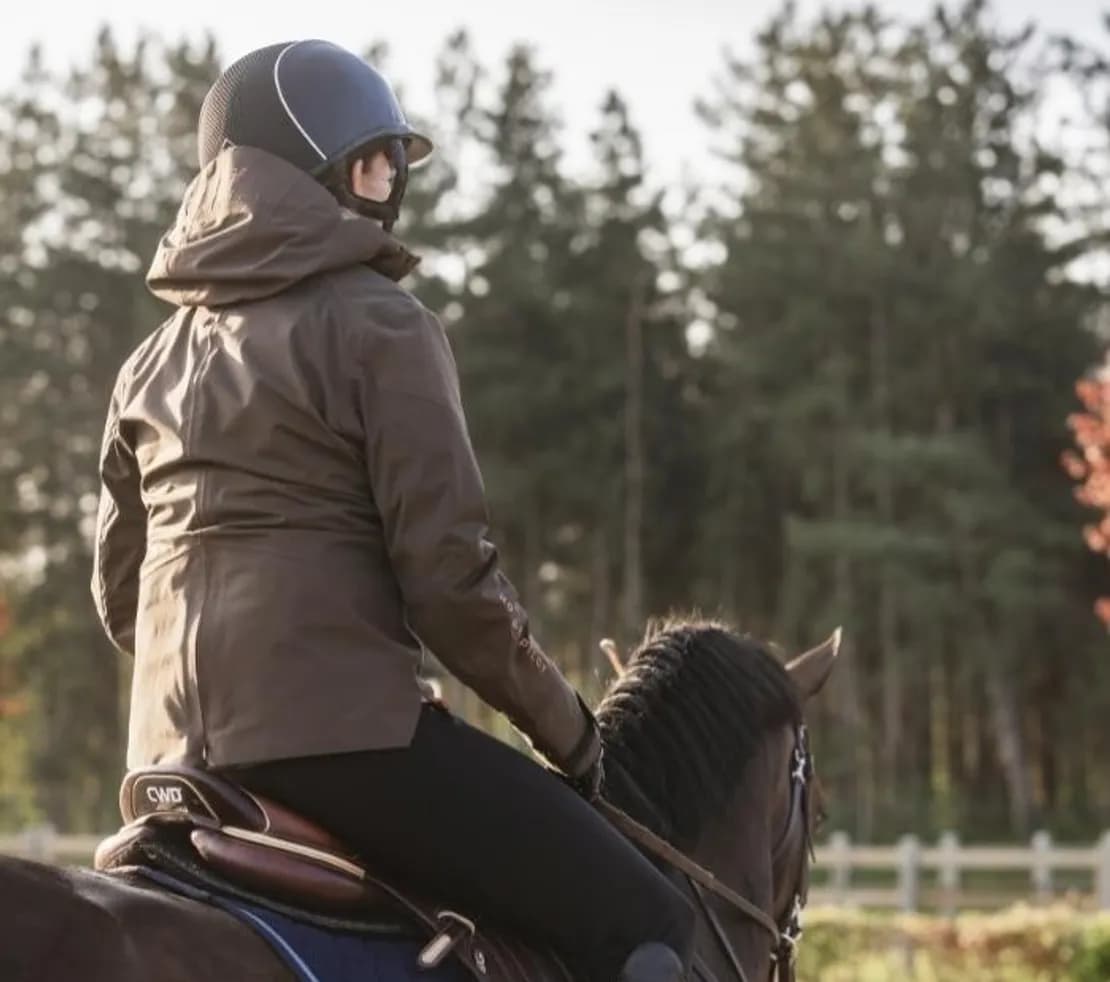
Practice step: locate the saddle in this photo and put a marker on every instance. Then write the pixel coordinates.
(198, 825)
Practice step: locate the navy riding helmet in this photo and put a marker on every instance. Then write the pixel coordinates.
(315, 105)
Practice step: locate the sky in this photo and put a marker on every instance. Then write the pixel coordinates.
(660, 54)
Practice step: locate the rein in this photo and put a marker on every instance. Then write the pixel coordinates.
(698, 875)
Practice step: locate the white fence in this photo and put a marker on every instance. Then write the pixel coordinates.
(909, 876)
(948, 876)
(42, 843)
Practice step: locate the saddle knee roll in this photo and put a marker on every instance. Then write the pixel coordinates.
(290, 874)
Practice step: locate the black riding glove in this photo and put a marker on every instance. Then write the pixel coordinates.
(583, 770)
(588, 784)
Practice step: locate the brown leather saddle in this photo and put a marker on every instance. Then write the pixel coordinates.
(193, 823)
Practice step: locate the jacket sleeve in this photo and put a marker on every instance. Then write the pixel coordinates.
(120, 542)
(429, 493)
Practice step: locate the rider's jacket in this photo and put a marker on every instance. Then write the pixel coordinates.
(291, 508)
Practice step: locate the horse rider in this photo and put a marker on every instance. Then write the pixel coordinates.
(291, 514)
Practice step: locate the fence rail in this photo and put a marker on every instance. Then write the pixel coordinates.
(908, 876)
(914, 876)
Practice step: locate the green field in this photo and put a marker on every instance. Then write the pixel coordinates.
(1018, 945)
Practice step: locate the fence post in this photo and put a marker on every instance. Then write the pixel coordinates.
(38, 843)
(1041, 867)
(909, 856)
(840, 873)
(948, 874)
(1102, 872)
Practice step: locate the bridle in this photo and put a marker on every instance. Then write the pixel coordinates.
(786, 932)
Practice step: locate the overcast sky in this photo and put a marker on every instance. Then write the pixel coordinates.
(661, 54)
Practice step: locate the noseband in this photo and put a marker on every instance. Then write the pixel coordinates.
(787, 931)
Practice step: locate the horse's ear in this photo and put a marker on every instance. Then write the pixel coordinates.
(811, 670)
(612, 652)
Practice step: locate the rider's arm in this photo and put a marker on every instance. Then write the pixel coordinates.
(429, 494)
(120, 541)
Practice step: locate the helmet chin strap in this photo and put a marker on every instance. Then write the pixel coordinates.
(389, 210)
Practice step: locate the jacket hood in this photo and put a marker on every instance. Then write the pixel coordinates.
(252, 225)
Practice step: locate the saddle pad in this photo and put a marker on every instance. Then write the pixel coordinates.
(316, 954)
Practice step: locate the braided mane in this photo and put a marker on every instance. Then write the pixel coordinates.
(690, 710)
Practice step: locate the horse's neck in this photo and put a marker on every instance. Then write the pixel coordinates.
(623, 791)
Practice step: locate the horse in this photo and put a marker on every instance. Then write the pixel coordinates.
(707, 767)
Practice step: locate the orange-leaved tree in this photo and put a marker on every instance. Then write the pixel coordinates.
(1089, 464)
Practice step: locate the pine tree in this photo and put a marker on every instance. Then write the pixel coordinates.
(629, 433)
(797, 299)
(108, 180)
(509, 333)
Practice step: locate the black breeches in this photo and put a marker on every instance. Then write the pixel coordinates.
(464, 816)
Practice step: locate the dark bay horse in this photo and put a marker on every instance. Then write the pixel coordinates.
(701, 735)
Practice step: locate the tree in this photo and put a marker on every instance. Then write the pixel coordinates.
(114, 152)
(627, 426)
(508, 332)
(903, 335)
(839, 398)
(1089, 465)
(798, 292)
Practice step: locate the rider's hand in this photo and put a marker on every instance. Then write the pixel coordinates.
(588, 784)
(583, 770)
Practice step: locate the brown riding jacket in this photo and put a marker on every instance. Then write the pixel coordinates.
(290, 503)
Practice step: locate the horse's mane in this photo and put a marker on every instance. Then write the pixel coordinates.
(688, 713)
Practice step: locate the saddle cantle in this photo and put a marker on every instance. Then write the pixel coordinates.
(198, 824)
(250, 839)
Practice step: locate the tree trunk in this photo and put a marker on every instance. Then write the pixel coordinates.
(970, 746)
(1009, 744)
(533, 558)
(940, 739)
(1003, 711)
(600, 626)
(791, 599)
(633, 599)
(890, 658)
(844, 597)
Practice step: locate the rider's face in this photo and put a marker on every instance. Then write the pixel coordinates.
(371, 177)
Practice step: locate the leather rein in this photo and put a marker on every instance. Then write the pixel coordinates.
(785, 933)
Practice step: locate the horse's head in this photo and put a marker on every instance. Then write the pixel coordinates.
(706, 745)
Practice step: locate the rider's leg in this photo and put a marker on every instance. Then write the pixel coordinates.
(466, 816)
